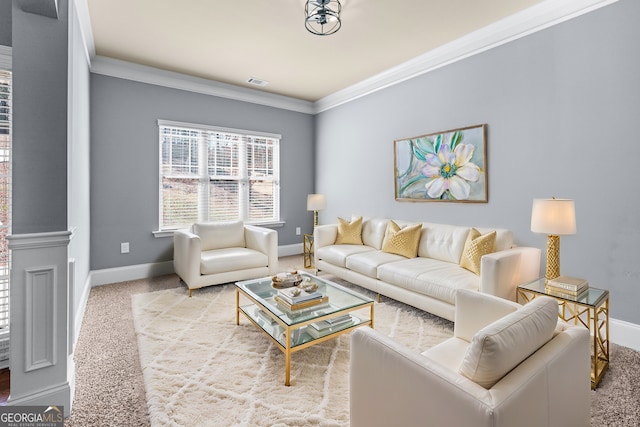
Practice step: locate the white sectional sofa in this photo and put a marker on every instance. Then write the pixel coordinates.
(430, 280)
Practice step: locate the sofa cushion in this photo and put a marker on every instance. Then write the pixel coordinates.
(442, 242)
(349, 233)
(502, 345)
(475, 248)
(504, 237)
(367, 263)
(373, 230)
(217, 235)
(231, 259)
(337, 254)
(437, 279)
(402, 241)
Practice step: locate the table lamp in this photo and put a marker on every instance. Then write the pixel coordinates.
(554, 217)
(315, 203)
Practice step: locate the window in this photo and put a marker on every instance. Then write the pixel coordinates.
(216, 174)
(5, 211)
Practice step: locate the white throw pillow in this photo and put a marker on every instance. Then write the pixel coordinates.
(502, 345)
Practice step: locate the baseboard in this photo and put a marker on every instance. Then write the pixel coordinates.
(79, 314)
(288, 250)
(130, 272)
(625, 333)
(59, 395)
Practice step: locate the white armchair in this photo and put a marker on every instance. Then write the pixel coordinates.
(506, 365)
(215, 253)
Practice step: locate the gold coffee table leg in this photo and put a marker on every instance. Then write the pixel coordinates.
(287, 358)
(237, 307)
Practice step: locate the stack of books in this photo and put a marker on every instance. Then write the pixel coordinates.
(297, 299)
(566, 286)
(328, 326)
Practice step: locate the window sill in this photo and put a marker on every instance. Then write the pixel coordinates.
(169, 233)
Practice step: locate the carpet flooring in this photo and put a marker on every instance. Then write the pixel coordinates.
(110, 389)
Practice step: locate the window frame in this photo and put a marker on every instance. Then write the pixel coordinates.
(204, 135)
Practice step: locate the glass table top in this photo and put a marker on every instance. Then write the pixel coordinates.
(339, 299)
(591, 296)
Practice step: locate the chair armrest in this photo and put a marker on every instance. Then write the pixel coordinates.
(391, 385)
(475, 310)
(264, 240)
(186, 256)
(501, 272)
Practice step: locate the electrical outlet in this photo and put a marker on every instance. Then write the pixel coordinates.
(124, 247)
(298, 231)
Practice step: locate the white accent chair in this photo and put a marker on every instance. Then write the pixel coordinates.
(506, 365)
(214, 253)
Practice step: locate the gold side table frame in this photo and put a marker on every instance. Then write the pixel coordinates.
(308, 251)
(589, 309)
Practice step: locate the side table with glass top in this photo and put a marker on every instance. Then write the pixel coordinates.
(308, 251)
(589, 309)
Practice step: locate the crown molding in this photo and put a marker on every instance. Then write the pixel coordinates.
(82, 10)
(528, 21)
(144, 74)
(5, 57)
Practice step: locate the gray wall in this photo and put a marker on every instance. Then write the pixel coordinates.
(125, 156)
(561, 107)
(5, 23)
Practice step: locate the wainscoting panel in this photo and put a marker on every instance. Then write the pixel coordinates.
(40, 317)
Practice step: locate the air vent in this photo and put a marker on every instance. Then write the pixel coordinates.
(257, 82)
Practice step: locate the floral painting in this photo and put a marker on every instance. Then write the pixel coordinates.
(445, 166)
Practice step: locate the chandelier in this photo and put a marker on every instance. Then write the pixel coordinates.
(322, 17)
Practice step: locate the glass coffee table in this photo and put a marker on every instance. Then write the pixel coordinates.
(294, 330)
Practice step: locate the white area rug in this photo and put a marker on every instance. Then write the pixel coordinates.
(200, 369)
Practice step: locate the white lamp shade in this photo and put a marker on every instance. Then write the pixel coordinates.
(553, 216)
(316, 202)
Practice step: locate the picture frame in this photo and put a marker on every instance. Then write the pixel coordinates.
(446, 166)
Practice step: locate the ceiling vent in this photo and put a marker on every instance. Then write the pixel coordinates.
(257, 82)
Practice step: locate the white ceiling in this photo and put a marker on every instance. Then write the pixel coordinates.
(229, 41)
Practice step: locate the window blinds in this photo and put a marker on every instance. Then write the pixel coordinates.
(5, 211)
(217, 174)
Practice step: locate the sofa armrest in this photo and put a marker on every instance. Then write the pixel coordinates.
(475, 310)
(264, 240)
(325, 235)
(501, 272)
(186, 256)
(391, 385)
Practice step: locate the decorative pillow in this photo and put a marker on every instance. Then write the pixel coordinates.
(402, 241)
(475, 247)
(502, 345)
(349, 233)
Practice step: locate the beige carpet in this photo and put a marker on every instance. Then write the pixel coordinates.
(200, 369)
(110, 390)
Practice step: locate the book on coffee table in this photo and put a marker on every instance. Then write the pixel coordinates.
(300, 305)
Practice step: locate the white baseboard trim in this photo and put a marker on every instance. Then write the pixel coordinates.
(79, 314)
(625, 333)
(288, 250)
(130, 272)
(59, 395)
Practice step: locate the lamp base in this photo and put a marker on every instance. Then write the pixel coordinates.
(315, 219)
(553, 257)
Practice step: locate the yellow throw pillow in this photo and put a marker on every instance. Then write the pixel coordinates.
(402, 241)
(349, 233)
(475, 247)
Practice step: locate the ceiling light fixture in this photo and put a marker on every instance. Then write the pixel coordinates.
(322, 17)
